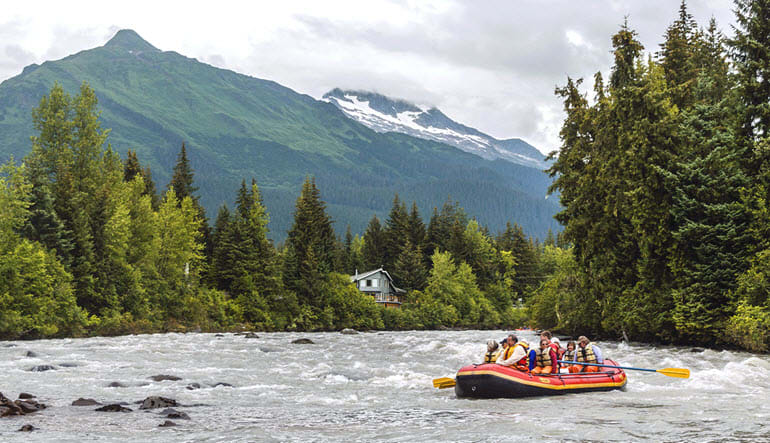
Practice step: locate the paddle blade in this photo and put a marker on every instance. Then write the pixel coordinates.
(675, 372)
(443, 383)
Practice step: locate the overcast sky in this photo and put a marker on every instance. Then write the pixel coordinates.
(492, 65)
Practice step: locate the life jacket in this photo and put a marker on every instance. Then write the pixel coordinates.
(544, 357)
(491, 357)
(557, 350)
(524, 362)
(569, 355)
(586, 355)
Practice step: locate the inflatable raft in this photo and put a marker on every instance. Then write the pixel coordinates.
(495, 381)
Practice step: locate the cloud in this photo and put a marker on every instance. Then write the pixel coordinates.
(492, 65)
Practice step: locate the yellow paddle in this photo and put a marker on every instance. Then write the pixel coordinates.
(443, 383)
(671, 372)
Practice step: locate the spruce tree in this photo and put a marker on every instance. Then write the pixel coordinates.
(396, 232)
(182, 184)
(374, 245)
(310, 245)
(409, 271)
(678, 56)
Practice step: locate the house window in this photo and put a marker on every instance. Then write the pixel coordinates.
(368, 284)
(375, 282)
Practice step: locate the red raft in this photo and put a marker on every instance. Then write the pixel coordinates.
(496, 381)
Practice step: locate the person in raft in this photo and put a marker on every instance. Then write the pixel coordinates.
(569, 354)
(586, 352)
(491, 355)
(546, 358)
(515, 354)
(553, 343)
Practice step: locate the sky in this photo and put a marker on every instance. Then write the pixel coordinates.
(489, 64)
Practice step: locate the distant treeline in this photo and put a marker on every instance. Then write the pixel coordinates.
(665, 177)
(87, 246)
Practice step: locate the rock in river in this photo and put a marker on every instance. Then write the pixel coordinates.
(163, 377)
(26, 428)
(167, 424)
(24, 396)
(113, 408)
(18, 407)
(42, 368)
(303, 341)
(85, 402)
(155, 401)
(348, 331)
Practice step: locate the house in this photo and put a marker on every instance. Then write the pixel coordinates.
(379, 284)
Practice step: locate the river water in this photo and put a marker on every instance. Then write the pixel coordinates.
(367, 387)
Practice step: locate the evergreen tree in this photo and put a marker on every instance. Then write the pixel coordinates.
(310, 245)
(409, 270)
(182, 184)
(750, 54)
(677, 55)
(374, 245)
(396, 232)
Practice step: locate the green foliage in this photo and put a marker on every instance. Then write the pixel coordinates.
(749, 328)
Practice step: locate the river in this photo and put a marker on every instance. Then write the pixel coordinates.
(367, 387)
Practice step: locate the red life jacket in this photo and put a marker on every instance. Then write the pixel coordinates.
(556, 350)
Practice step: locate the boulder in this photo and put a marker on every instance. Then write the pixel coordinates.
(303, 341)
(696, 350)
(192, 386)
(24, 396)
(26, 428)
(18, 407)
(167, 424)
(163, 377)
(173, 413)
(115, 407)
(251, 335)
(219, 335)
(155, 401)
(116, 384)
(42, 368)
(68, 365)
(226, 385)
(32, 354)
(85, 402)
(348, 331)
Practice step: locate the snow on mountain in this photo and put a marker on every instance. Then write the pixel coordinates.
(384, 114)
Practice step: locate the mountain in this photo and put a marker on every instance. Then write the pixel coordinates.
(238, 127)
(384, 114)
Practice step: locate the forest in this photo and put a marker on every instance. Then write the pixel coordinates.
(663, 176)
(89, 247)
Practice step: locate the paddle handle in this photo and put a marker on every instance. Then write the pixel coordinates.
(606, 366)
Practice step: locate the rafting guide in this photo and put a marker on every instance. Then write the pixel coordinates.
(523, 371)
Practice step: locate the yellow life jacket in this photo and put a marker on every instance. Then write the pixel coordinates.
(524, 362)
(544, 357)
(491, 357)
(586, 355)
(507, 352)
(569, 355)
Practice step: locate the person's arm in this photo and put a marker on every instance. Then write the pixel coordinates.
(598, 354)
(532, 359)
(554, 358)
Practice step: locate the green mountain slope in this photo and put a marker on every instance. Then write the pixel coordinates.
(237, 127)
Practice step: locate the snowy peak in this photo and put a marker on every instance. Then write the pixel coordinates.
(384, 114)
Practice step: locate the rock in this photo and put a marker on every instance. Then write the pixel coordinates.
(162, 377)
(155, 401)
(303, 341)
(173, 413)
(85, 402)
(32, 354)
(167, 424)
(24, 395)
(29, 406)
(192, 386)
(697, 350)
(251, 335)
(219, 335)
(42, 368)
(115, 407)
(26, 428)
(68, 365)
(227, 385)
(240, 333)
(348, 331)
(116, 384)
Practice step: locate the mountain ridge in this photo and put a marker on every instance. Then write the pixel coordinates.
(237, 127)
(385, 114)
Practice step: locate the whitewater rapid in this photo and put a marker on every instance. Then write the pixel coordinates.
(366, 387)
